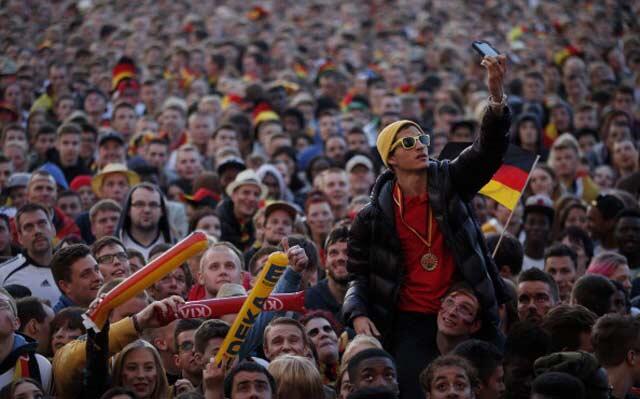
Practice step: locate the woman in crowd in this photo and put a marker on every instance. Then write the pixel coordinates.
(23, 388)
(543, 180)
(572, 212)
(139, 368)
(206, 220)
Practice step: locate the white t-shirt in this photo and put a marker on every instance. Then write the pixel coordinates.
(129, 242)
(39, 279)
(529, 263)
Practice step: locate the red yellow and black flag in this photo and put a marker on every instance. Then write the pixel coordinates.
(509, 181)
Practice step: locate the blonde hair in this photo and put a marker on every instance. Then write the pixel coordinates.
(161, 389)
(563, 142)
(296, 377)
(359, 343)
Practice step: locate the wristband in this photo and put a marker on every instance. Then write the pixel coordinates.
(496, 104)
(136, 325)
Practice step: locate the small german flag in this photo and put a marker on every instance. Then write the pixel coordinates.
(507, 183)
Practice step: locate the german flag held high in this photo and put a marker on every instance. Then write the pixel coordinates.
(507, 183)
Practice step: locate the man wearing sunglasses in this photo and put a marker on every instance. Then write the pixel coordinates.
(418, 236)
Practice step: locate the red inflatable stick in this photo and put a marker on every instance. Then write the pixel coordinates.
(170, 260)
(216, 307)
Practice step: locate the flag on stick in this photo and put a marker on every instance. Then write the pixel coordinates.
(509, 181)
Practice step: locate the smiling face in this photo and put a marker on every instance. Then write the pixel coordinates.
(139, 372)
(458, 315)
(113, 262)
(284, 339)
(245, 200)
(337, 262)
(85, 281)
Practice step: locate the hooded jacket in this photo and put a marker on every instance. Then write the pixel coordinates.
(515, 137)
(23, 355)
(124, 223)
(375, 261)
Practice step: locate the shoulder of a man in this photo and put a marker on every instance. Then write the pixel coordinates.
(46, 372)
(12, 265)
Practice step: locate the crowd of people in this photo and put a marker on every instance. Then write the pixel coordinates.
(323, 129)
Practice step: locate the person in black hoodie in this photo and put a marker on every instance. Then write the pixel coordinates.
(144, 221)
(527, 134)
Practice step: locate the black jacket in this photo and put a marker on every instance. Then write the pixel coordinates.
(70, 172)
(375, 253)
(231, 230)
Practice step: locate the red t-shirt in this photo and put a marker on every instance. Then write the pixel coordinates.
(421, 290)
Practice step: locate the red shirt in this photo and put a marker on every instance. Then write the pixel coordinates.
(421, 290)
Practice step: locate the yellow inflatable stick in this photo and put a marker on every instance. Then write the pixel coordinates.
(271, 272)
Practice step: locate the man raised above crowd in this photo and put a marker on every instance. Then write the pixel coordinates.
(418, 234)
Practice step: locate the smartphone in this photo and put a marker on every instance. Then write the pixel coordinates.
(483, 48)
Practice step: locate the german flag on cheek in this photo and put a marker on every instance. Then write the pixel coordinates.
(507, 183)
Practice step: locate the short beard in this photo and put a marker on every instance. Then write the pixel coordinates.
(342, 281)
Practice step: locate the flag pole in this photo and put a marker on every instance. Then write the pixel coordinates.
(526, 182)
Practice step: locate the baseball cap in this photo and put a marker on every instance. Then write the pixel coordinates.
(358, 160)
(280, 205)
(110, 135)
(539, 203)
(18, 180)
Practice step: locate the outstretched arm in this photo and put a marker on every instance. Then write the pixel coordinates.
(476, 165)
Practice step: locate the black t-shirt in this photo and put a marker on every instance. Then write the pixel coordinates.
(320, 297)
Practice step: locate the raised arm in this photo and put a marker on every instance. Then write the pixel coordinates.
(476, 165)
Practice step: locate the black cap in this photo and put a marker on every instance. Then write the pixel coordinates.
(110, 135)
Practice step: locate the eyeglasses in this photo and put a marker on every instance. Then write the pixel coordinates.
(465, 312)
(410, 142)
(108, 259)
(186, 346)
(140, 205)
